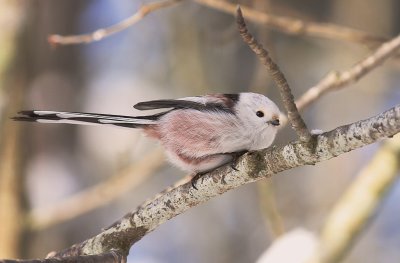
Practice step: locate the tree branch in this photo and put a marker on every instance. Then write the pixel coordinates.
(109, 257)
(98, 195)
(359, 203)
(295, 26)
(285, 24)
(250, 167)
(336, 80)
(294, 116)
(101, 33)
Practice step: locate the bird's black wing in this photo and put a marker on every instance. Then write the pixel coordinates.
(170, 104)
(214, 102)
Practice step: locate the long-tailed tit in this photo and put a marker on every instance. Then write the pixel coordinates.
(198, 133)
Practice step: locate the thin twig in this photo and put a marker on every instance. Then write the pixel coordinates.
(295, 26)
(336, 80)
(294, 116)
(105, 32)
(98, 195)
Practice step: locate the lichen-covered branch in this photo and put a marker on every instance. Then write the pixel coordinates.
(336, 80)
(294, 116)
(250, 167)
(101, 33)
(109, 257)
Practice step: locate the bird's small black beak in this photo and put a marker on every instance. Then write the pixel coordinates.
(275, 122)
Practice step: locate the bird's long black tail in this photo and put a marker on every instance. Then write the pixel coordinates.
(85, 118)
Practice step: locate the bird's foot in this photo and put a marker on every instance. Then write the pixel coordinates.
(235, 157)
(196, 177)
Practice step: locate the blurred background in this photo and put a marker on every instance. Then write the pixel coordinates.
(184, 50)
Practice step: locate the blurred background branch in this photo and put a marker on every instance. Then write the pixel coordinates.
(336, 80)
(268, 205)
(284, 24)
(99, 195)
(12, 88)
(99, 34)
(295, 26)
(360, 203)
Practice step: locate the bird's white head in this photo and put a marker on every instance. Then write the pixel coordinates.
(260, 117)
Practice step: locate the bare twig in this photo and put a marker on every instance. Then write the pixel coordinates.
(295, 26)
(98, 195)
(249, 168)
(294, 116)
(105, 32)
(336, 80)
(359, 203)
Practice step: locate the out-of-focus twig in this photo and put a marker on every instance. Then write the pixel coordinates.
(269, 208)
(11, 181)
(336, 80)
(295, 26)
(12, 208)
(105, 32)
(359, 203)
(98, 195)
(294, 116)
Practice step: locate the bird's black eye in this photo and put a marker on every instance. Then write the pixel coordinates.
(260, 114)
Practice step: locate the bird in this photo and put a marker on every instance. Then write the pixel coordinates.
(199, 133)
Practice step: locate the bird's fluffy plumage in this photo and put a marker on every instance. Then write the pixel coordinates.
(198, 133)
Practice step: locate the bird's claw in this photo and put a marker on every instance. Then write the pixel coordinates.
(235, 157)
(194, 179)
(233, 163)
